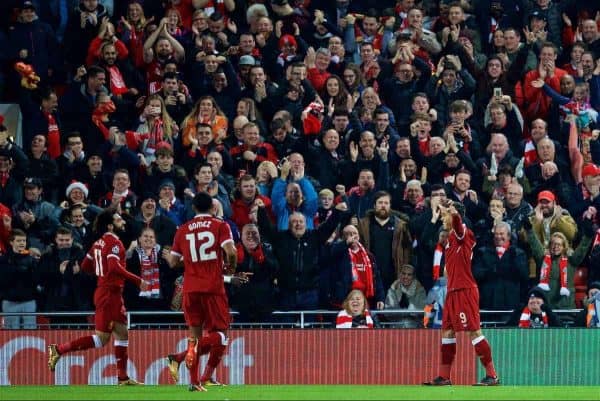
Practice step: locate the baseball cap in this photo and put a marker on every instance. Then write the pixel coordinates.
(27, 4)
(247, 60)
(287, 40)
(166, 183)
(536, 292)
(590, 170)
(539, 15)
(32, 182)
(546, 195)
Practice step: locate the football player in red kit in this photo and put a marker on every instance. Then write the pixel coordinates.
(205, 245)
(106, 259)
(461, 310)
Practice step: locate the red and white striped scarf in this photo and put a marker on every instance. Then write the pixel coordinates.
(547, 269)
(344, 320)
(525, 321)
(437, 261)
(530, 153)
(501, 249)
(149, 271)
(362, 271)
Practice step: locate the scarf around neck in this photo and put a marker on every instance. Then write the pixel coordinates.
(547, 270)
(149, 271)
(362, 270)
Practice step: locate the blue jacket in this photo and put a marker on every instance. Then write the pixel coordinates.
(282, 210)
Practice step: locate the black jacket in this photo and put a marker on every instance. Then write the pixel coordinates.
(19, 277)
(65, 291)
(299, 258)
(502, 281)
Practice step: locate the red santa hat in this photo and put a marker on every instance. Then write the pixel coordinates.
(77, 185)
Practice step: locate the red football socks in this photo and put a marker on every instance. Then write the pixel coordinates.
(121, 356)
(484, 352)
(448, 353)
(77, 345)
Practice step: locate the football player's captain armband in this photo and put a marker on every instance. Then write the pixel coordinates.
(227, 279)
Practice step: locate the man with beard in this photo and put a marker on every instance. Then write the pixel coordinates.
(122, 81)
(159, 49)
(107, 259)
(385, 234)
(553, 219)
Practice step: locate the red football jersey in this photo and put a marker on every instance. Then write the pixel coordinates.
(200, 242)
(458, 254)
(106, 258)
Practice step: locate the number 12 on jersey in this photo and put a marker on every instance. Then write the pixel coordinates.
(206, 240)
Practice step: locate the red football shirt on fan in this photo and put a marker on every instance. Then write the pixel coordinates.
(459, 252)
(106, 258)
(200, 242)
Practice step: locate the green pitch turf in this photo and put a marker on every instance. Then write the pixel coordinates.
(341, 392)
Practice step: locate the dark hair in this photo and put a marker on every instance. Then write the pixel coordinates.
(381, 194)
(340, 113)
(16, 232)
(169, 75)
(216, 16)
(62, 230)
(276, 124)
(103, 220)
(95, 70)
(199, 166)
(202, 202)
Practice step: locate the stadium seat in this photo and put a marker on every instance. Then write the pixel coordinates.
(579, 296)
(581, 279)
(43, 322)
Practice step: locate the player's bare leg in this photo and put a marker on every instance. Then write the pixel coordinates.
(484, 352)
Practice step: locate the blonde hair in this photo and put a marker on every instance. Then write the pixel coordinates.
(164, 115)
(346, 304)
(567, 250)
(269, 167)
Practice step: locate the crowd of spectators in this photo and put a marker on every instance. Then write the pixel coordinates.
(328, 133)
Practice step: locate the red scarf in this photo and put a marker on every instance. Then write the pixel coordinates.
(501, 249)
(344, 320)
(547, 269)
(4, 178)
(149, 272)
(424, 146)
(101, 113)
(53, 136)
(437, 261)
(117, 83)
(525, 321)
(257, 254)
(530, 153)
(362, 271)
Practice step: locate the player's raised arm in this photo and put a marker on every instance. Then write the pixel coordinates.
(457, 223)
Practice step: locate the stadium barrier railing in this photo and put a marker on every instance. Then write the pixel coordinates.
(303, 319)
